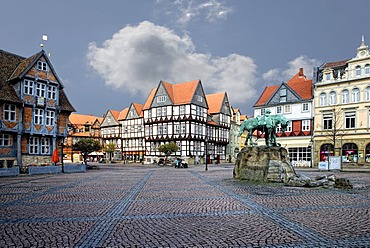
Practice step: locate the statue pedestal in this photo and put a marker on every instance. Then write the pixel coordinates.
(263, 164)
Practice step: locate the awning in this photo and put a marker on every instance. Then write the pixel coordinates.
(96, 154)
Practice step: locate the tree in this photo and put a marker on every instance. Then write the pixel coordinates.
(110, 148)
(168, 148)
(333, 127)
(85, 146)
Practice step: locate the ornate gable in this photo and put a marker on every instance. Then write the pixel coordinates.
(162, 96)
(199, 98)
(132, 112)
(109, 120)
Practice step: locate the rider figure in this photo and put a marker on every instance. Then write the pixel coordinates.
(265, 119)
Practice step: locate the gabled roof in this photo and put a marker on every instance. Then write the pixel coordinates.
(334, 64)
(79, 119)
(215, 102)
(115, 113)
(149, 99)
(299, 84)
(139, 108)
(123, 114)
(183, 92)
(266, 95)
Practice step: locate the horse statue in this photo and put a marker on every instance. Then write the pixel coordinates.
(266, 124)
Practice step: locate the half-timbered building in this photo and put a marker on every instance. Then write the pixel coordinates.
(110, 131)
(133, 140)
(34, 110)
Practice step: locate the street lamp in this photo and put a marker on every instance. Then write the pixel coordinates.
(61, 156)
(205, 152)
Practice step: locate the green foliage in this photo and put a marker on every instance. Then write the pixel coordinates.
(110, 148)
(168, 148)
(85, 146)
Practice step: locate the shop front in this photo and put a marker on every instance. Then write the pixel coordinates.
(326, 150)
(367, 153)
(349, 153)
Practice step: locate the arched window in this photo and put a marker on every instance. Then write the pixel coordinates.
(326, 150)
(367, 69)
(322, 99)
(355, 95)
(345, 96)
(332, 98)
(358, 71)
(367, 93)
(367, 153)
(350, 153)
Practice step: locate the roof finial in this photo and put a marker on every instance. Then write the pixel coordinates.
(363, 40)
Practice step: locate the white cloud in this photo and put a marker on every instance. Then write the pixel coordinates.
(277, 75)
(136, 58)
(190, 10)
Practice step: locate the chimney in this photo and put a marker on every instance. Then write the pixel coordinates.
(301, 72)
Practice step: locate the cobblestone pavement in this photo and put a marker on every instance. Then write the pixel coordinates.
(150, 206)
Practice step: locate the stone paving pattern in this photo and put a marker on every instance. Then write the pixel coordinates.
(150, 206)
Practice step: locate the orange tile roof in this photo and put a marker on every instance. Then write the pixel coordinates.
(83, 119)
(266, 94)
(139, 108)
(169, 89)
(184, 92)
(115, 113)
(123, 114)
(215, 102)
(149, 100)
(243, 117)
(301, 85)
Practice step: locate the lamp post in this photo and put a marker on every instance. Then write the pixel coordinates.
(206, 146)
(61, 156)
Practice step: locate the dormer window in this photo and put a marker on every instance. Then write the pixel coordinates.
(41, 65)
(327, 76)
(283, 95)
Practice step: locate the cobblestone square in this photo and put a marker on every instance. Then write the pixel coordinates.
(150, 206)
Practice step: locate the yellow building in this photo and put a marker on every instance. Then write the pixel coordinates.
(342, 109)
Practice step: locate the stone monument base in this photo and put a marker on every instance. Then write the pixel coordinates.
(263, 164)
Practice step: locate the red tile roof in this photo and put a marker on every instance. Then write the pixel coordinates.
(334, 64)
(139, 108)
(77, 119)
(215, 102)
(123, 114)
(183, 92)
(266, 94)
(149, 100)
(115, 114)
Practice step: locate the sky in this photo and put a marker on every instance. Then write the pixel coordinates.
(111, 53)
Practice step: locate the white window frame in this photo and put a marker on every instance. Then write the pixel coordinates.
(28, 87)
(33, 145)
(289, 127)
(44, 145)
(161, 99)
(332, 98)
(287, 109)
(40, 89)
(10, 112)
(5, 140)
(177, 129)
(355, 95)
(327, 122)
(183, 128)
(367, 69)
(345, 96)
(52, 92)
(322, 99)
(367, 93)
(182, 109)
(305, 107)
(306, 125)
(39, 116)
(279, 109)
(164, 111)
(50, 118)
(358, 71)
(159, 112)
(41, 65)
(348, 116)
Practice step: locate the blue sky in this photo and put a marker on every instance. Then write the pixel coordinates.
(111, 53)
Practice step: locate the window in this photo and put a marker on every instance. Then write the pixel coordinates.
(300, 154)
(177, 129)
(287, 109)
(350, 119)
(305, 125)
(283, 94)
(9, 112)
(289, 127)
(39, 115)
(164, 111)
(355, 95)
(159, 112)
(332, 98)
(358, 71)
(5, 140)
(367, 93)
(345, 96)
(197, 109)
(327, 76)
(199, 98)
(28, 87)
(50, 116)
(164, 129)
(52, 92)
(305, 107)
(40, 89)
(183, 128)
(41, 65)
(278, 109)
(367, 69)
(328, 121)
(45, 146)
(33, 145)
(161, 98)
(160, 129)
(322, 99)
(182, 110)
